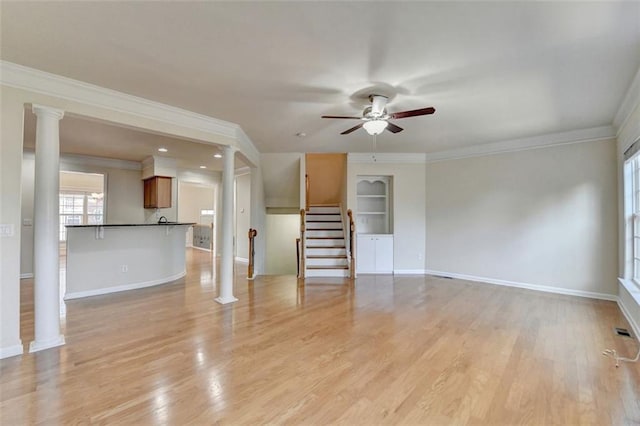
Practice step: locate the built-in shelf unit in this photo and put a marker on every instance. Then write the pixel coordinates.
(373, 205)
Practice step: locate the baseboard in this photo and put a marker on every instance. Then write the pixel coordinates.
(10, 351)
(27, 275)
(200, 248)
(544, 288)
(409, 271)
(242, 260)
(134, 286)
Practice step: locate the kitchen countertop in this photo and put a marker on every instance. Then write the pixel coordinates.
(107, 225)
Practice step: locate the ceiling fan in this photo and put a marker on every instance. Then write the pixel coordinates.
(375, 118)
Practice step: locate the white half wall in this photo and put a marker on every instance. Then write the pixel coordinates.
(281, 233)
(543, 217)
(243, 215)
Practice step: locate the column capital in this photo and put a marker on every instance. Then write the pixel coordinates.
(229, 149)
(43, 110)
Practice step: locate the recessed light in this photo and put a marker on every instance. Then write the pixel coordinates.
(301, 134)
(217, 155)
(163, 149)
(203, 167)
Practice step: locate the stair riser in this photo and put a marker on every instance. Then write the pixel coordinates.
(326, 252)
(327, 273)
(326, 243)
(323, 217)
(333, 210)
(327, 262)
(333, 234)
(324, 225)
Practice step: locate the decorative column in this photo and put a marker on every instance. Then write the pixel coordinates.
(46, 261)
(225, 294)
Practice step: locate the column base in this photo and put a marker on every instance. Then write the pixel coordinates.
(10, 351)
(225, 300)
(36, 346)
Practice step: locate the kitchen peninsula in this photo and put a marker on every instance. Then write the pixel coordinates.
(105, 259)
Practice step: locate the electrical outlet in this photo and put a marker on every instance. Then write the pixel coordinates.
(419, 256)
(125, 268)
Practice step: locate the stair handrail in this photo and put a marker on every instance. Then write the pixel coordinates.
(307, 186)
(303, 221)
(352, 245)
(252, 253)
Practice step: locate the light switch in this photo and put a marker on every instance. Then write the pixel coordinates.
(6, 230)
(27, 222)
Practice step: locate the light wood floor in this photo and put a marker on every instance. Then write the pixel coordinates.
(391, 350)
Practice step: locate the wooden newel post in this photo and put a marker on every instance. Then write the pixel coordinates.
(252, 235)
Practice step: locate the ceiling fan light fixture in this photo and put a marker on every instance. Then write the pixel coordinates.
(375, 127)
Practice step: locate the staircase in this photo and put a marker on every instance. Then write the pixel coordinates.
(325, 251)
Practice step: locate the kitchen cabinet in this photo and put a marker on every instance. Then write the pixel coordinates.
(157, 192)
(374, 254)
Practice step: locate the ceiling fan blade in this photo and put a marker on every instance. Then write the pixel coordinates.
(393, 128)
(340, 116)
(353, 129)
(413, 113)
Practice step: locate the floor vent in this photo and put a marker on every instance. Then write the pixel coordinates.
(622, 332)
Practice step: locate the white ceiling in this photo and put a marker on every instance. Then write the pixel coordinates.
(493, 71)
(81, 136)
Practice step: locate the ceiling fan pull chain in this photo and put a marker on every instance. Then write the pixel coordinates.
(374, 148)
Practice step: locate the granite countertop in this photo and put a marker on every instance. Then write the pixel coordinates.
(108, 225)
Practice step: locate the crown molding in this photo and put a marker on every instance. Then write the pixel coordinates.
(544, 141)
(593, 134)
(631, 101)
(21, 77)
(386, 158)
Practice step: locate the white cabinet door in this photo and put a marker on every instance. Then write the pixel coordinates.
(384, 253)
(374, 254)
(366, 254)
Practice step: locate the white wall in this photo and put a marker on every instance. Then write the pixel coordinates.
(408, 205)
(281, 233)
(124, 199)
(281, 175)
(543, 217)
(243, 215)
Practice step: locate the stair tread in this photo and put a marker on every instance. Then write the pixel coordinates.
(327, 256)
(324, 229)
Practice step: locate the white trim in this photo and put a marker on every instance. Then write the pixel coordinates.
(543, 288)
(125, 287)
(409, 271)
(200, 248)
(36, 346)
(634, 292)
(10, 351)
(594, 134)
(386, 157)
(241, 171)
(634, 326)
(222, 301)
(26, 275)
(241, 260)
(87, 160)
(21, 77)
(629, 103)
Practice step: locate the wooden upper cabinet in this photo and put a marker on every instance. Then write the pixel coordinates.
(157, 192)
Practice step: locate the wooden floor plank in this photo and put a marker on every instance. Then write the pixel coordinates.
(387, 350)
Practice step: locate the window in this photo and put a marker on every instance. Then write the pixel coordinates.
(635, 215)
(80, 208)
